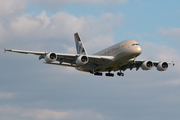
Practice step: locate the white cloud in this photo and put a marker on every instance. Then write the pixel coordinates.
(61, 26)
(47, 114)
(171, 32)
(44, 114)
(98, 43)
(2, 32)
(172, 83)
(159, 52)
(12, 7)
(6, 95)
(53, 4)
(8, 7)
(152, 51)
(80, 1)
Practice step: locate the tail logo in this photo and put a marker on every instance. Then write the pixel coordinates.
(79, 47)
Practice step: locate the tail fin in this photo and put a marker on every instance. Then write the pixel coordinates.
(79, 45)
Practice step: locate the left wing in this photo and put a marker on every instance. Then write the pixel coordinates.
(66, 59)
(145, 65)
(26, 52)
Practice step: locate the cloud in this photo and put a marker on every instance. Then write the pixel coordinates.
(60, 2)
(47, 114)
(6, 95)
(44, 114)
(159, 52)
(54, 4)
(170, 33)
(9, 7)
(2, 33)
(59, 28)
(172, 83)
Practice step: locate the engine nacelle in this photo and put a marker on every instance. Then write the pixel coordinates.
(147, 65)
(50, 57)
(82, 60)
(162, 66)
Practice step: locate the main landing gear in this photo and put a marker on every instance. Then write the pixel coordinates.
(98, 74)
(109, 74)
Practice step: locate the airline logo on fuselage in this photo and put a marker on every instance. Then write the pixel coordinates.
(115, 49)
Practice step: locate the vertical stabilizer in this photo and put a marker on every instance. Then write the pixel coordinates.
(79, 45)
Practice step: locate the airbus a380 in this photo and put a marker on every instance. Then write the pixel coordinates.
(118, 57)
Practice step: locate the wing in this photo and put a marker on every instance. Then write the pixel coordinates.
(26, 52)
(138, 63)
(67, 59)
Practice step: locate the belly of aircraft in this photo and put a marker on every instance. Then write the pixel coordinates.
(114, 65)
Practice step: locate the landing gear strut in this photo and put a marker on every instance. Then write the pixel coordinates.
(120, 74)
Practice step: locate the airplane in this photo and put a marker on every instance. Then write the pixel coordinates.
(119, 57)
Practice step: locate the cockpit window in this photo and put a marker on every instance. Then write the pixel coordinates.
(135, 44)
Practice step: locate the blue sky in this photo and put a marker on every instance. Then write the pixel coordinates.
(30, 89)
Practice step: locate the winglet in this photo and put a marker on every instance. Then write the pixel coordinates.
(173, 63)
(4, 50)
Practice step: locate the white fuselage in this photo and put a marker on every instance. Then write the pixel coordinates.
(122, 53)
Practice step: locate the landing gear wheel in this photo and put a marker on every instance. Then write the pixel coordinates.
(98, 74)
(120, 74)
(110, 74)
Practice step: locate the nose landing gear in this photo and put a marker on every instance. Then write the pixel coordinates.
(120, 74)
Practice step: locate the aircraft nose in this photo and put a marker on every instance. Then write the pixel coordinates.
(137, 50)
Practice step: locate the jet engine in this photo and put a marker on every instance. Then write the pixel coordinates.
(147, 65)
(50, 57)
(162, 66)
(82, 60)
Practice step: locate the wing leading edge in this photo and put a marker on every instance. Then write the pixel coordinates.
(131, 64)
(66, 59)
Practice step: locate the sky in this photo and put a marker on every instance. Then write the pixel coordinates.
(32, 90)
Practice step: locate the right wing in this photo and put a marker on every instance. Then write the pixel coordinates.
(138, 64)
(67, 59)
